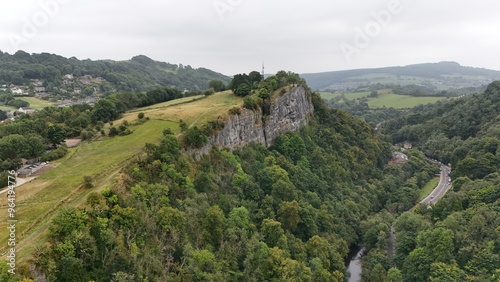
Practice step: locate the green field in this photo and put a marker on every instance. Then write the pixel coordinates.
(37, 202)
(389, 99)
(36, 103)
(348, 96)
(386, 98)
(193, 113)
(169, 103)
(427, 189)
(7, 108)
(329, 95)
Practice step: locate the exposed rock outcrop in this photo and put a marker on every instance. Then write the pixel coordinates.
(288, 112)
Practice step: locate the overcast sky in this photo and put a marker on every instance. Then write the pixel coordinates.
(235, 36)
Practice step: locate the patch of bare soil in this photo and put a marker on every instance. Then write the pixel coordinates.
(72, 142)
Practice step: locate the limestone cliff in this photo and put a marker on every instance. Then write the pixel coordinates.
(288, 112)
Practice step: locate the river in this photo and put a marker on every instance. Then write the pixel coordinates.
(354, 266)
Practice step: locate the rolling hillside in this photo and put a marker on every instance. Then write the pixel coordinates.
(60, 75)
(435, 76)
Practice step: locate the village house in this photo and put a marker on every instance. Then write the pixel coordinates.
(39, 89)
(10, 114)
(26, 110)
(16, 90)
(407, 145)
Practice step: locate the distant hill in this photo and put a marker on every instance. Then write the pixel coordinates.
(59, 75)
(435, 76)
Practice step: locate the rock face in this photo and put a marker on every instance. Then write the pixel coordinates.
(288, 112)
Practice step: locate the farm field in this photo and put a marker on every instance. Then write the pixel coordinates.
(348, 96)
(386, 98)
(389, 99)
(36, 103)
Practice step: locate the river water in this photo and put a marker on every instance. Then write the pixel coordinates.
(354, 266)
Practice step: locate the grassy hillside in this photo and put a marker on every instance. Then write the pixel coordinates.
(38, 200)
(193, 113)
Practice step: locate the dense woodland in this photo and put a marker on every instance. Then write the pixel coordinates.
(290, 212)
(137, 74)
(458, 239)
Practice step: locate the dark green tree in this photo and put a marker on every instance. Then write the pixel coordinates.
(217, 85)
(243, 90)
(195, 138)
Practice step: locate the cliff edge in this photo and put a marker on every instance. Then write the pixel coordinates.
(288, 112)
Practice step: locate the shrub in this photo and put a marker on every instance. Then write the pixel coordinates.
(183, 125)
(140, 115)
(87, 182)
(250, 103)
(235, 111)
(125, 132)
(167, 131)
(212, 126)
(113, 131)
(209, 92)
(87, 134)
(54, 154)
(195, 138)
(4, 179)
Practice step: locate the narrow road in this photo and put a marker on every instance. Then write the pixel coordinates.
(443, 186)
